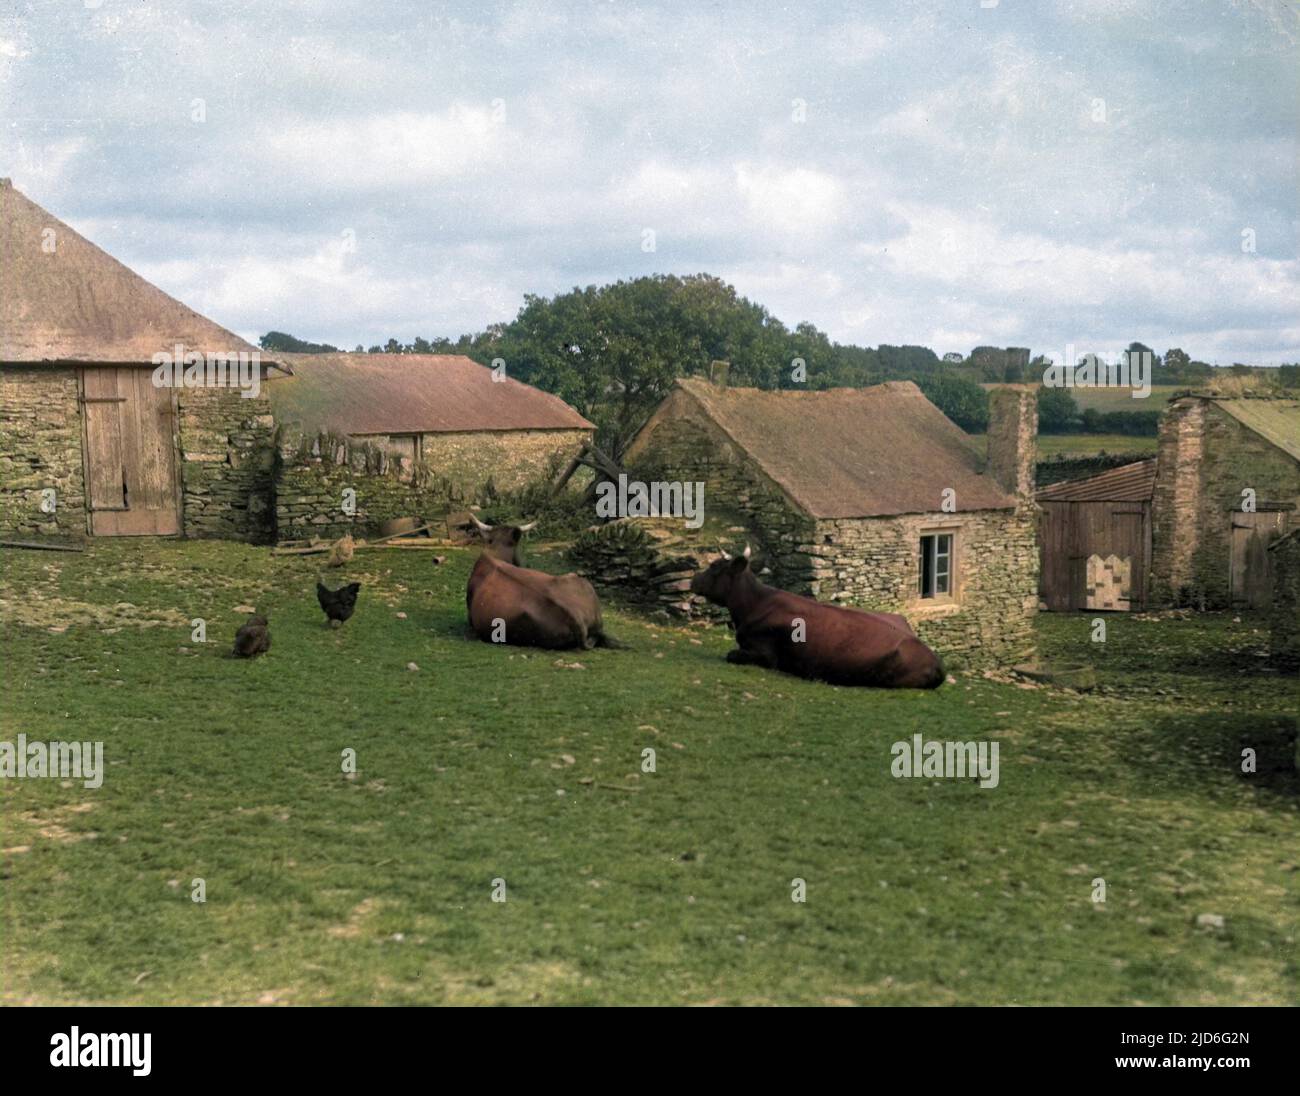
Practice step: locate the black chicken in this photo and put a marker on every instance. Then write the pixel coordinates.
(253, 638)
(338, 604)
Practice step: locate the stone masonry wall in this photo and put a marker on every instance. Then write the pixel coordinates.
(313, 472)
(1206, 459)
(684, 448)
(874, 563)
(40, 447)
(227, 464)
(510, 458)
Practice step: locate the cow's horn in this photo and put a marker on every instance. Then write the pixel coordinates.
(725, 553)
(481, 527)
(528, 528)
(747, 551)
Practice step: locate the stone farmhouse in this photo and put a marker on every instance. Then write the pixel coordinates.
(870, 497)
(1227, 484)
(442, 410)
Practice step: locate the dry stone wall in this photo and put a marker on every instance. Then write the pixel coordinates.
(314, 472)
(227, 464)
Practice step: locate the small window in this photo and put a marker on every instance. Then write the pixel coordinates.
(936, 565)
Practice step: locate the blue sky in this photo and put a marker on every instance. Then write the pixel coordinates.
(1037, 174)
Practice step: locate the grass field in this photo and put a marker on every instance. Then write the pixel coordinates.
(669, 887)
(1085, 445)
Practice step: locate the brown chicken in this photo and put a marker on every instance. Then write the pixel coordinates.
(253, 638)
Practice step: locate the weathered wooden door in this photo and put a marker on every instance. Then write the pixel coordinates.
(130, 448)
(1250, 579)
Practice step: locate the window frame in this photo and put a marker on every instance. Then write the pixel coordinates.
(953, 594)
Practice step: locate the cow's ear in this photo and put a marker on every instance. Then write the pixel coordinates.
(739, 564)
(516, 535)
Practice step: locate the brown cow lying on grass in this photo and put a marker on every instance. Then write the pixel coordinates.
(511, 604)
(834, 644)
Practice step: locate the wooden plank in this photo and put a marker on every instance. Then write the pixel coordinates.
(103, 456)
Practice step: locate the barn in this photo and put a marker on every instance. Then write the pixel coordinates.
(1094, 536)
(1227, 484)
(869, 497)
(90, 442)
(464, 421)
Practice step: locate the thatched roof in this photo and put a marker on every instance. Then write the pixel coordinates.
(1128, 483)
(853, 452)
(79, 304)
(362, 394)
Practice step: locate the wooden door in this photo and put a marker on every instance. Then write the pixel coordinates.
(130, 447)
(1128, 541)
(1250, 579)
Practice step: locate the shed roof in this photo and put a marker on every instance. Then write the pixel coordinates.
(1276, 421)
(76, 303)
(1128, 483)
(412, 394)
(854, 452)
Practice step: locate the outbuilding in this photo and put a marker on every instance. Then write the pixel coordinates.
(466, 422)
(1094, 536)
(1227, 485)
(870, 497)
(95, 437)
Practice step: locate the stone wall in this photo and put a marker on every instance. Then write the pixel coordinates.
(646, 562)
(40, 447)
(1284, 616)
(313, 472)
(683, 445)
(1206, 459)
(509, 458)
(874, 563)
(227, 464)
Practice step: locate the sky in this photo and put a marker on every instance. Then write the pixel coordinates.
(1047, 174)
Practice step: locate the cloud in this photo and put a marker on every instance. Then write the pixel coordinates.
(951, 182)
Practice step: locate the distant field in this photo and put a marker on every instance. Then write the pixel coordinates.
(1087, 445)
(1082, 445)
(1120, 399)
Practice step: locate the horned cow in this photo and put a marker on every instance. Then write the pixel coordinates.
(513, 604)
(835, 644)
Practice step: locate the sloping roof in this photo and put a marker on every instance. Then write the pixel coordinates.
(411, 394)
(1276, 421)
(854, 452)
(79, 304)
(1128, 483)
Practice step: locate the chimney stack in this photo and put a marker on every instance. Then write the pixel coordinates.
(1013, 428)
(718, 373)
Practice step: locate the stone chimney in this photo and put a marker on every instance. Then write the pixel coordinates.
(718, 373)
(1013, 428)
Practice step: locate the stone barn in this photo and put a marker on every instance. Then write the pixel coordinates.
(1094, 536)
(870, 497)
(460, 419)
(1227, 484)
(90, 441)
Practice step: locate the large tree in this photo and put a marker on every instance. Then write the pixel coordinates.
(614, 352)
